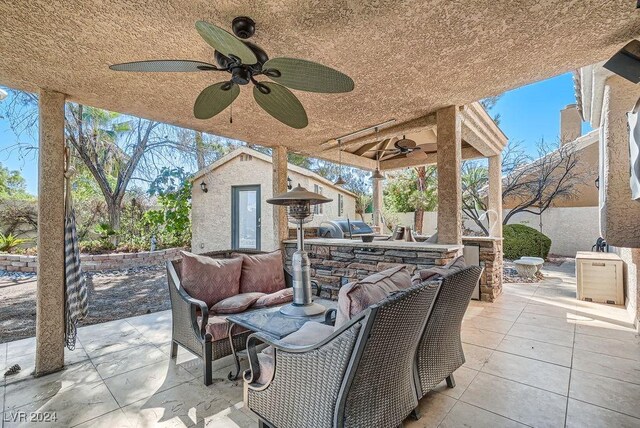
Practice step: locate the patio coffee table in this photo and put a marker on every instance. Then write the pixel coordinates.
(272, 321)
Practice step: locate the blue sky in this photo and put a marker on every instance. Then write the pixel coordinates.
(527, 114)
(531, 113)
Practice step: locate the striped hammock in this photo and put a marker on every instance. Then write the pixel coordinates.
(75, 284)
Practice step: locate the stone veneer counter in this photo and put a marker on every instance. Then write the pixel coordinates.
(335, 262)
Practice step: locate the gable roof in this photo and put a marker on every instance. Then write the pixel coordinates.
(266, 158)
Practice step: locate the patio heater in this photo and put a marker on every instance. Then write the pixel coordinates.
(299, 201)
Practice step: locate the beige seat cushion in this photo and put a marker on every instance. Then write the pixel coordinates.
(210, 280)
(263, 273)
(278, 298)
(267, 367)
(439, 272)
(357, 296)
(235, 304)
(217, 327)
(310, 333)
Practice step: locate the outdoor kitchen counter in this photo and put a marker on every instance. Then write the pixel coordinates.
(335, 262)
(396, 245)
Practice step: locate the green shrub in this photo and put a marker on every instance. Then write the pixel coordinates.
(524, 241)
(9, 242)
(96, 246)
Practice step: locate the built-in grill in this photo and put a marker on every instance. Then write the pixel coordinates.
(344, 229)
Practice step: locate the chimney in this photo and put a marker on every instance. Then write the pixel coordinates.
(570, 124)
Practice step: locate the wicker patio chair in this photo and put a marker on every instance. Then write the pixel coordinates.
(190, 317)
(360, 376)
(440, 349)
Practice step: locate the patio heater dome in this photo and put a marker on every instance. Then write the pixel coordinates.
(299, 201)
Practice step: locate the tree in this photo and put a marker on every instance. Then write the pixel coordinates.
(489, 103)
(413, 190)
(111, 147)
(474, 180)
(12, 185)
(533, 186)
(363, 200)
(554, 175)
(172, 222)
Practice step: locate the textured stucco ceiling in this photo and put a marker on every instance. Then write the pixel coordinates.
(407, 58)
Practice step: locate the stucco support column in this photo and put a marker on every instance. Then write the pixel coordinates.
(449, 142)
(495, 195)
(280, 224)
(50, 292)
(619, 212)
(377, 205)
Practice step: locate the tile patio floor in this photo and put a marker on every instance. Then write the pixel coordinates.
(536, 357)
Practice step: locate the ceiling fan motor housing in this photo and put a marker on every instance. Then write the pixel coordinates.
(243, 27)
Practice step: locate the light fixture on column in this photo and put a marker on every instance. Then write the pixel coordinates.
(289, 181)
(203, 187)
(299, 201)
(340, 181)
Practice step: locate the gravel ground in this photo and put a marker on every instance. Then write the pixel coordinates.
(112, 295)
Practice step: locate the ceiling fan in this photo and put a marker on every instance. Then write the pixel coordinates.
(244, 61)
(401, 147)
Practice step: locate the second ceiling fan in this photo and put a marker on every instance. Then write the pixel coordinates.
(244, 61)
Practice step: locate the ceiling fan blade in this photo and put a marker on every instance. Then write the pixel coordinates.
(281, 104)
(307, 76)
(164, 65)
(225, 42)
(215, 98)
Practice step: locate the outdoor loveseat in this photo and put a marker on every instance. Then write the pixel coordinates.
(195, 327)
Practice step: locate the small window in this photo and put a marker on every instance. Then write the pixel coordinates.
(317, 209)
(340, 205)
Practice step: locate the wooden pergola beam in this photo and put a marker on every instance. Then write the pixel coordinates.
(425, 159)
(428, 121)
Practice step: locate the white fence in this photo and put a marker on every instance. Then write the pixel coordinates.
(570, 229)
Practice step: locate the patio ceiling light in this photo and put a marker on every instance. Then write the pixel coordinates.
(340, 181)
(377, 175)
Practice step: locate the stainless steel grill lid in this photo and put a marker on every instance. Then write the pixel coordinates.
(297, 195)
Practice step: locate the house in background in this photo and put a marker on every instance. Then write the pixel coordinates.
(232, 213)
(571, 223)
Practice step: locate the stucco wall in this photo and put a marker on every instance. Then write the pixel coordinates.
(211, 211)
(631, 258)
(619, 212)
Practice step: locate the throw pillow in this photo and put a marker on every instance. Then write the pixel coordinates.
(357, 296)
(263, 273)
(236, 304)
(278, 298)
(210, 280)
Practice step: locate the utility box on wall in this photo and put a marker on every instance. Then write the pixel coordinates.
(600, 277)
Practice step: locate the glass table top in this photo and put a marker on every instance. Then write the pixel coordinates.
(272, 321)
